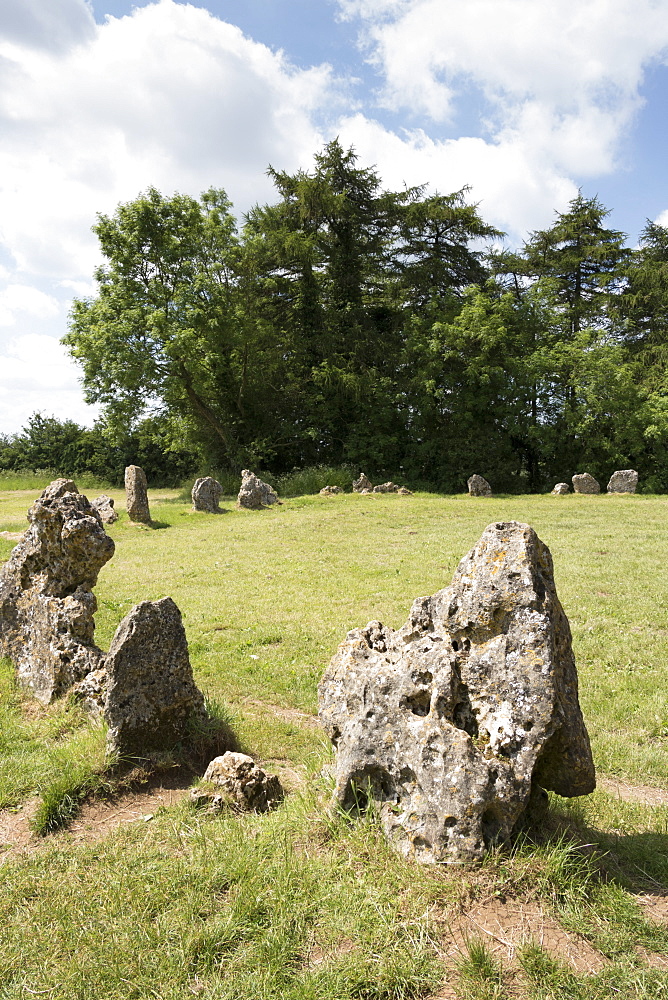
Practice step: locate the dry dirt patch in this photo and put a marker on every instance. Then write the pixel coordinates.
(506, 926)
(647, 794)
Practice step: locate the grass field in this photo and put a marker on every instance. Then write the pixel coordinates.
(300, 904)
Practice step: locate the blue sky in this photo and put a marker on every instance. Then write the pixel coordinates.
(524, 100)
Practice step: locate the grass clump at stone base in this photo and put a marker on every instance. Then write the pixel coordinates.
(302, 904)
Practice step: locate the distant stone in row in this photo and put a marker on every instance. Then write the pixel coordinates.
(136, 495)
(104, 505)
(561, 489)
(478, 487)
(205, 495)
(584, 483)
(623, 481)
(254, 493)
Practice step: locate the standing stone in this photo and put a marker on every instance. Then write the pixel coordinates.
(136, 497)
(386, 488)
(478, 487)
(453, 725)
(561, 489)
(151, 696)
(584, 483)
(235, 780)
(46, 599)
(330, 491)
(362, 485)
(254, 494)
(104, 505)
(206, 493)
(623, 481)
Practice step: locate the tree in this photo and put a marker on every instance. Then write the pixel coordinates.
(343, 266)
(168, 329)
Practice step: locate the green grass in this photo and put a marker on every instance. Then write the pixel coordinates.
(298, 904)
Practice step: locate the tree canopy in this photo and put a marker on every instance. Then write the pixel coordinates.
(348, 323)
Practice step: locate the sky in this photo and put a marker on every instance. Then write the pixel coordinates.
(525, 101)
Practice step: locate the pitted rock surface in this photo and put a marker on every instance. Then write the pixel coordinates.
(235, 780)
(478, 487)
(330, 491)
(584, 483)
(46, 599)
(136, 495)
(623, 481)
(561, 489)
(206, 493)
(386, 488)
(454, 724)
(104, 505)
(254, 494)
(363, 484)
(151, 696)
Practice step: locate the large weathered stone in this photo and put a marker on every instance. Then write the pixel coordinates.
(363, 484)
(478, 487)
(584, 483)
(254, 494)
(235, 780)
(136, 496)
(561, 489)
(46, 599)
(454, 724)
(206, 493)
(623, 481)
(330, 491)
(151, 696)
(104, 505)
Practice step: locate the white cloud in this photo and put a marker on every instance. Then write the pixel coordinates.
(559, 82)
(169, 96)
(662, 219)
(515, 190)
(37, 374)
(16, 300)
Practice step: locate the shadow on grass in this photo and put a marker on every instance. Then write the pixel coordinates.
(174, 767)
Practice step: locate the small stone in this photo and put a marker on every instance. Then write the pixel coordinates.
(151, 696)
(330, 491)
(104, 505)
(205, 494)
(254, 494)
(584, 483)
(453, 726)
(623, 481)
(478, 487)
(237, 781)
(46, 599)
(363, 484)
(403, 491)
(561, 489)
(136, 495)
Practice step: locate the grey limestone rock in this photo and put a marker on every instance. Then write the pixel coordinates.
(330, 491)
(363, 484)
(478, 487)
(254, 494)
(623, 481)
(455, 724)
(561, 489)
(151, 696)
(235, 780)
(206, 493)
(584, 483)
(104, 505)
(386, 488)
(46, 599)
(136, 496)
